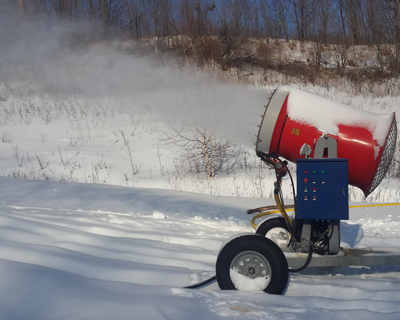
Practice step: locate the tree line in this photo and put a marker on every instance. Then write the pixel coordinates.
(345, 21)
(217, 30)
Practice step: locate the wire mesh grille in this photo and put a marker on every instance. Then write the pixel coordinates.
(386, 158)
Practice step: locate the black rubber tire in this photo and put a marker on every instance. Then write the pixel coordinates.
(261, 245)
(269, 224)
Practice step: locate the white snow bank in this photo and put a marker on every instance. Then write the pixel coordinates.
(158, 215)
(327, 115)
(243, 283)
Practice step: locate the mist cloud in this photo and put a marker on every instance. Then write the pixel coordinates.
(48, 54)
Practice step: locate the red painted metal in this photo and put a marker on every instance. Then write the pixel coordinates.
(354, 143)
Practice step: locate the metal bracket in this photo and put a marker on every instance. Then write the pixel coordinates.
(347, 257)
(328, 144)
(334, 242)
(306, 236)
(305, 150)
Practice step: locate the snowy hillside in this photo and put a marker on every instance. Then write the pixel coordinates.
(101, 113)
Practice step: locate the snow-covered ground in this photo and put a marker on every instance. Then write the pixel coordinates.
(88, 251)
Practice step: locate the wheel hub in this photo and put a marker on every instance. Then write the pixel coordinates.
(251, 264)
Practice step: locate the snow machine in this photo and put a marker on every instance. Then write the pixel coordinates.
(333, 146)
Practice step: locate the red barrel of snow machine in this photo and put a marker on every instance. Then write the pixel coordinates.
(293, 118)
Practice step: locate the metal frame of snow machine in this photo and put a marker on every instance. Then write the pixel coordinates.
(311, 236)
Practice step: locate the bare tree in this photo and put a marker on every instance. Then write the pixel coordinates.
(323, 18)
(200, 150)
(133, 18)
(341, 58)
(376, 29)
(356, 21)
(268, 20)
(303, 14)
(232, 17)
(158, 12)
(392, 12)
(280, 12)
(341, 14)
(186, 21)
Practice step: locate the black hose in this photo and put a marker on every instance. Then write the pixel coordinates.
(306, 264)
(310, 252)
(202, 284)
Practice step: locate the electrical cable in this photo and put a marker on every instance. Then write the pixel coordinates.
(280, 172)
(202, 284)
(330, 236)
(309, 257)
(294, 220)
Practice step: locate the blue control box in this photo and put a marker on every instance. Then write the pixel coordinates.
(322, 189)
